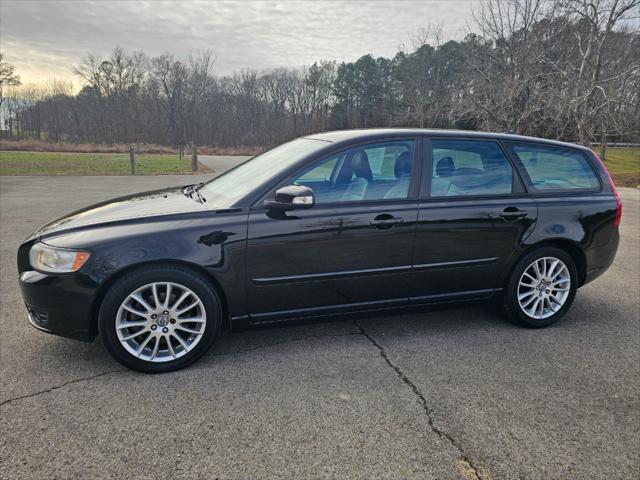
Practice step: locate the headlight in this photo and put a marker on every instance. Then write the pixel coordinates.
(56, 260)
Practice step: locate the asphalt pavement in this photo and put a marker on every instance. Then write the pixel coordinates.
(447, 393)
(221, 163)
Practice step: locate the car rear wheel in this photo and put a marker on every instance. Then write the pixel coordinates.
(159, 319)
(541, 288)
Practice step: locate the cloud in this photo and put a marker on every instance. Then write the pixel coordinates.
(44, 39)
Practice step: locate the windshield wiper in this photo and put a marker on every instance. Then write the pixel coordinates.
(191, 190)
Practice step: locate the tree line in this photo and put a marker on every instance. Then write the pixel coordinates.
(567, 69)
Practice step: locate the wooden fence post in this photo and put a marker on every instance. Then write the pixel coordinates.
(194, 158)
(132, 159)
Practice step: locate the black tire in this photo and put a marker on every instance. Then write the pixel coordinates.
(512, 306)
(135, 279)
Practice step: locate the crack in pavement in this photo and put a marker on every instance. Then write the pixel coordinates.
(57, 387)
(466, 467)
(83, 379)
(466, 464)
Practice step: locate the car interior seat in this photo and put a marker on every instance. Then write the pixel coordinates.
(445, 169)
(362, 176)
(402, 172)
(467, 181)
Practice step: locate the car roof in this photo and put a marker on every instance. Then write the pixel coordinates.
(350, 136)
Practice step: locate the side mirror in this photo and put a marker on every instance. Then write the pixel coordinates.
(291, 197)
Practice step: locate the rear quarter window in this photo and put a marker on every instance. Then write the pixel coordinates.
(553, 168)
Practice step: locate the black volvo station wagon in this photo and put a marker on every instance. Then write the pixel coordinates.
(337, 222)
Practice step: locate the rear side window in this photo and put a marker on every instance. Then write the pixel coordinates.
(469, 167)
(551, 168)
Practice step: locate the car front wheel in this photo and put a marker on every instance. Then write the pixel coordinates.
(159, 319)
(542, 287)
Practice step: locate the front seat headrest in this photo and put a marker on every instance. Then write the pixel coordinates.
(445, 167)
(361, 167)
(402, 167)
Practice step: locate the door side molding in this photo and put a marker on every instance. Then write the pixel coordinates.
(455, 264)
(310, 277)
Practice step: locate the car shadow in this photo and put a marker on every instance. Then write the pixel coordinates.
(441, 321)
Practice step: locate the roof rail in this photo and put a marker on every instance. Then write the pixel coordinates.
(510, 132)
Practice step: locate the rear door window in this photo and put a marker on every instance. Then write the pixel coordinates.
(553, 168)
(469, 167)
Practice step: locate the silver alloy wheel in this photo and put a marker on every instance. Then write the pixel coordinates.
(160, 322)
(544, 287)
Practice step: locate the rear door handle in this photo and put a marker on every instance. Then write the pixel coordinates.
(513, 213)
(385, 220)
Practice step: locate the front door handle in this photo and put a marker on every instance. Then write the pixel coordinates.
(385, 221)
(511, 214)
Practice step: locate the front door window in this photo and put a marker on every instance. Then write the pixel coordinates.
(379, 171)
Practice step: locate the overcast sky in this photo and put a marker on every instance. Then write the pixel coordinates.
(44, 39)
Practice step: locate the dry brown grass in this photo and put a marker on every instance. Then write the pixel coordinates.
(626, 179)
(41, 146)
(247, 150)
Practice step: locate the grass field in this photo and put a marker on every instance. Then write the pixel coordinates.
(623, 160)
(624, 165)
(55, 163)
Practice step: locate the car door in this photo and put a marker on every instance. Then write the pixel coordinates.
(473, 212)
(352, 250)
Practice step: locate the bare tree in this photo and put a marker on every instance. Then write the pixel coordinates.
(8, 77)
(566, 70)
(596, 20)
(171, 75)
(505, 62)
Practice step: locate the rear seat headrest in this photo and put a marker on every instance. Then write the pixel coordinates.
(445, 167)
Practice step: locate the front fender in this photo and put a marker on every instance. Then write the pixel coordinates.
(213, 243)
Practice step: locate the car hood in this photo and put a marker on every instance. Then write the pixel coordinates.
(140, 205)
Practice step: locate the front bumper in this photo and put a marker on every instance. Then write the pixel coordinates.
(60, 304)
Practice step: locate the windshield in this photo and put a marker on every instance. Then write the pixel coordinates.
(225, 190)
